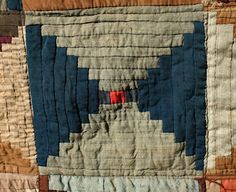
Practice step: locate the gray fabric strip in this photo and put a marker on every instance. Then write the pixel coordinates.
(120, 40)
(118, 52)
(118, 62)
(121, 184)
(139, 28)
(123, 10)
(115, 17)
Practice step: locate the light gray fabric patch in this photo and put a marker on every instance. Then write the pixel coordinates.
(118, 62)
(118, 52)
(121, 40)
(164, 17)
(122, 184)
(118, 74)
(142, 28)
(3, 5)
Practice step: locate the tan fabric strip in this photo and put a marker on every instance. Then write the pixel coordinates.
(15, 182)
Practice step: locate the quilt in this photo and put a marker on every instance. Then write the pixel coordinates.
(118, 95)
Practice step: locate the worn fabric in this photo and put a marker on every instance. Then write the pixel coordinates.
(123, 95)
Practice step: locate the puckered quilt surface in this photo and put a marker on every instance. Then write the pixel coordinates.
(118, 95)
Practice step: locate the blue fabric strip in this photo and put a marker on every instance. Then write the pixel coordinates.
(70, 95)
(48, 60)
(34, 60)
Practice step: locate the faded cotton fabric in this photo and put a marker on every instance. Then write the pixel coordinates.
(117, 96)
(113, 141)
(112, 184)
(3, 5)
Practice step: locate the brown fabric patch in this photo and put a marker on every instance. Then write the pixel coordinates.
(9, 22)
(9, 31)
(12, 162)
(43, 183)
(202, 184)
(225, 165)
(226, 13)
(40, 5)
(12, 20)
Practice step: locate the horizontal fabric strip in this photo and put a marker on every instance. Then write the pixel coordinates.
(142, 28)
(120, 40)
(9, 182)
(40, 5)
(120, 10)
(118, 74)
(145, 184)
(118, 52)
(10, 20)
(9, 31)
(108, 85)
(118, 62)
(93, 172)
(117, 17)
(116, 163)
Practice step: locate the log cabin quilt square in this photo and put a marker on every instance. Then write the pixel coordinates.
(117, 95)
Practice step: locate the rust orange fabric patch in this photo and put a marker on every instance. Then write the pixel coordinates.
(229, 185)
(43, 5)
(226, 13)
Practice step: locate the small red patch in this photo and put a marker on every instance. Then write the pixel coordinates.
(117, 97)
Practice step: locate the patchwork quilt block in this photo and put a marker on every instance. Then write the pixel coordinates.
(134, 95)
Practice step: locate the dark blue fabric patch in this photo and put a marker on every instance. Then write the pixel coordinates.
(48, 60)
(104, 97)
(189, 79)
(131, 95)
(14, 5)
(178, 93)
(154, 93)
(87, 95)
(143, 95)
(34, 60)
(166, 91)
(93, 97)
(72, 112)
(83, 94)
(200, 105)
(175, 93)
(62, 95)
(60, 82)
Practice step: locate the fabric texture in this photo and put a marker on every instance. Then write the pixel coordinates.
(123, 95)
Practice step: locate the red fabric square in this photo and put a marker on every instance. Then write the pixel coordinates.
(117, 97)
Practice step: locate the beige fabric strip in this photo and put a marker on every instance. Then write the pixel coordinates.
(12, 182)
